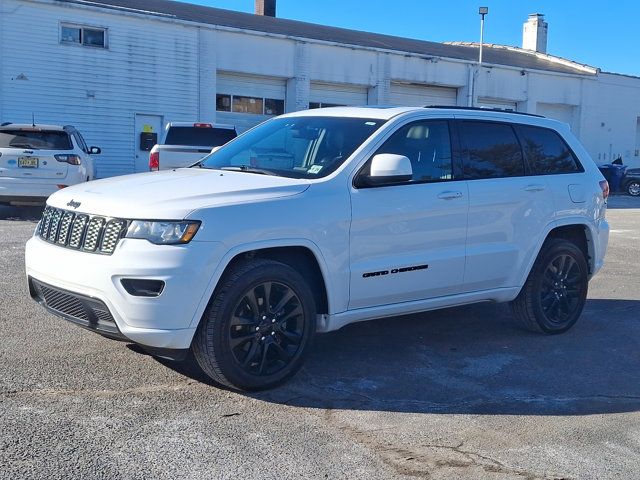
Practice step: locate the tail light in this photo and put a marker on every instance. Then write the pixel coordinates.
(70, 159)
(203, 125)
(154, 161)
(604, 185)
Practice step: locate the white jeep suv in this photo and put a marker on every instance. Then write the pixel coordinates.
(317, 219)
(37, 160)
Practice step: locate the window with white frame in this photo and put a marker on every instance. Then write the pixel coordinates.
(83, 35)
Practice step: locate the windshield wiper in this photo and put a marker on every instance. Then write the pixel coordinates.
(248, 169)
(21, 145)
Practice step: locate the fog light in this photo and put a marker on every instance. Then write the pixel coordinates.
(139, 287)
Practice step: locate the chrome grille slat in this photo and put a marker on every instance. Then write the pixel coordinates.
(90, 233)
(94, 230)
(55, 222)
(77, 231)
(65, 223)
(111, 235)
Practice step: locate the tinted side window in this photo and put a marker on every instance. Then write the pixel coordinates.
(199, 136)
(427, 144)
(490, 150)
(546, 152)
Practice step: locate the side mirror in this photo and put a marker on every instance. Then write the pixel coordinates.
(95, 150)
(388, 168)
(215, 149)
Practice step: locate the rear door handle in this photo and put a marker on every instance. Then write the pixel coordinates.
(449, 195)
(534, 188)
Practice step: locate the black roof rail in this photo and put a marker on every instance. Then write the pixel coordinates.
(5, 124)
(482, 109)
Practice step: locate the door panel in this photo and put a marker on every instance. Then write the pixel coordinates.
(406, 243)
(506, 218)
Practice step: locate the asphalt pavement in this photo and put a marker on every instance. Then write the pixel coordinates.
(457, 393)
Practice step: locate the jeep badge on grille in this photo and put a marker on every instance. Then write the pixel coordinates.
(73, 204)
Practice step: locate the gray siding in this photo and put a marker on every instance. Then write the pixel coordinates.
(144, 70)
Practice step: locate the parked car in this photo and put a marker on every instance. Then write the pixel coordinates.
(621, 178)
(631, 182)
(314, 220)
(184, 143)
(37, 160)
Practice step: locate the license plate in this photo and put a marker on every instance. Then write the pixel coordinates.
(28, 162)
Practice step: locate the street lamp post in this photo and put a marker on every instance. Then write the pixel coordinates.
(482, 11)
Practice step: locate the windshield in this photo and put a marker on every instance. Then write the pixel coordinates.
(199, 136)
(297, 147)
(52, 140)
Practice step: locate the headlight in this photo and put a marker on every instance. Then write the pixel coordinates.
(163, 232)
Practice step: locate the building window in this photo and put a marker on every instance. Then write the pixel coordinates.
(223, 103)
(273, 106)
(87, 36)
(253, 105)
(313, 105)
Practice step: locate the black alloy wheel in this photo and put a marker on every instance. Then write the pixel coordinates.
(561, 288)
(266, 328)
(555, 291)
(258, 326)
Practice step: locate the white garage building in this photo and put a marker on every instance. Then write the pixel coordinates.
(114, 68)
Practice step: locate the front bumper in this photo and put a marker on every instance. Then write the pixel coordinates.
(167, 321)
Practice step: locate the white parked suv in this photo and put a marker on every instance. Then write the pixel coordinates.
(317, 219)
(37, 160)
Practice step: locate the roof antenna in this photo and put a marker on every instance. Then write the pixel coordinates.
(33, 119)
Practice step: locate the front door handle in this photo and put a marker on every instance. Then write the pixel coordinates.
(449, 195)
(534, 188)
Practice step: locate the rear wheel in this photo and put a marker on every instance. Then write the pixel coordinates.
(258, 327)
(555, 292)
(633, 188)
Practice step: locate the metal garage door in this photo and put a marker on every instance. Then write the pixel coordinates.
(411, 95)
(557, 111)
(246, 100)
(497, 103)
(332, 94)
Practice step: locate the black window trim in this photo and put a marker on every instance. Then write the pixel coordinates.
(464, 159)
(455, 157)
(530, 169)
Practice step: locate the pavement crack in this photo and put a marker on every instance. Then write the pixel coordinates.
(423, 461)
(63, 392)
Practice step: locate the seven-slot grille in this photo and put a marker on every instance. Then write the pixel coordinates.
(88, 233)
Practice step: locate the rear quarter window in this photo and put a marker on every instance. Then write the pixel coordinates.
(546, 152)
(35, 140)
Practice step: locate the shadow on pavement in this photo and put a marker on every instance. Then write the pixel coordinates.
(470, 360)
(21, 213)
(619, 201)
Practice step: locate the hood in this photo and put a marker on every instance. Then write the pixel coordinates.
(172, 194)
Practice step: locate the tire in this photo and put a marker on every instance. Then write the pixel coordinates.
(555, 292)
(252, 337)
(633, 188)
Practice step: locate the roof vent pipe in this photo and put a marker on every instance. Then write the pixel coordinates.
(534, 33)
(266, 8)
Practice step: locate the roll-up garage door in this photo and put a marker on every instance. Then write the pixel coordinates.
(331, 94)
(246, 100)
(557, 111)
(411, 95)
(497, 104)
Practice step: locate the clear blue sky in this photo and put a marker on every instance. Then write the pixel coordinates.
(604, 34)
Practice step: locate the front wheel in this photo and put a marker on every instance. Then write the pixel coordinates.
(555, 292)
(633, 188)
(258, 327)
